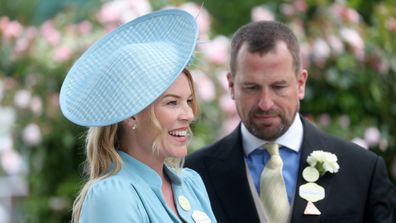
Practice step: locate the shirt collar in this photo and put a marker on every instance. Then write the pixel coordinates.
(292, 138)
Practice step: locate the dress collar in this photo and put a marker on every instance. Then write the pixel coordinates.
(137, 169)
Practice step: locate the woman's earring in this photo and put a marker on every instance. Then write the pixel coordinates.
(134, 126)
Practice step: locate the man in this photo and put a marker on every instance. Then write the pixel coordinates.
(267, 82)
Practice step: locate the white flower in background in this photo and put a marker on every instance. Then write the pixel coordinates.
(341, 11)
(62, 53)
(31, 80)
(344, 121)
(85, 27)
(6, 143)
(353, 38)
(10, 29)
(36, 105)
(134, 9)
(261, 13)
(382, 65)
(1, 89)
(383, 144)
(321, 50)
(287, 9)
(372, 136)
(112, 13)
(216, 50)
(300, 5)
(336, 44)
(360, 142)
(4, 20)
(31, 134)
(323, 161)
(7, 119)
(15, 185)
(57, 203)
(305, 50)
(24, 41)
(4, 214)
(50, 33)
(351, 15)
(205, 87)
(391, 24)
(324, 119)
(22, 98)
(201, 16)
(11, 162)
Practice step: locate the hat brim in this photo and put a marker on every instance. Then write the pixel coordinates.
(129, 68)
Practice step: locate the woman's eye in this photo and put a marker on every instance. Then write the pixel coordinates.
(172, 103)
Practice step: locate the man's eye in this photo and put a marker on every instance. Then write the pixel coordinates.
(278, 87)
(251, 88)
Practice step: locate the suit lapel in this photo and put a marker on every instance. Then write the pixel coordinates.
(312, 140)
(228, 175)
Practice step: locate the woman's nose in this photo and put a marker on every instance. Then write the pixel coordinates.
(186, 113)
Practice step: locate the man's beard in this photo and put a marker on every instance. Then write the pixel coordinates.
(268, 133)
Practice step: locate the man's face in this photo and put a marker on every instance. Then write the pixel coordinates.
(266, 90)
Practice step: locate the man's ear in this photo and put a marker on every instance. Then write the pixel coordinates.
(301, 81)
(230, 80)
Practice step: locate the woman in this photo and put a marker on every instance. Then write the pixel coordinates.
(133, 92)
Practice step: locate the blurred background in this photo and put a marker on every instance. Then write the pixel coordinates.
(348, 47)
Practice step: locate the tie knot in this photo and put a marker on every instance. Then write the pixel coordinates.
(272, 148)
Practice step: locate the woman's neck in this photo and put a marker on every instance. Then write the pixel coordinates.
(153, 161)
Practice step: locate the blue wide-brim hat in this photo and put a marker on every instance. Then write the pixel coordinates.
(129, 68)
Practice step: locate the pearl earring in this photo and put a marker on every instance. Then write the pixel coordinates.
(134, 126)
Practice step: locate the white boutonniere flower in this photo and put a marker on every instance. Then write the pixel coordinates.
(323, 162)
(320, 162)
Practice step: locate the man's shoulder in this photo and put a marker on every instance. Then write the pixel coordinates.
(215, 150)
(208, 150)
(344, 147)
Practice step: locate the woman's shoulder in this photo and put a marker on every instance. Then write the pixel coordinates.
(110, 187)
(192, 178)
(108, 199)
(189, 173)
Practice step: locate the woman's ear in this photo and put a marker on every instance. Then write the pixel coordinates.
(131, 122)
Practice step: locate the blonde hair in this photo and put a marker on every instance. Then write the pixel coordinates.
(101, 154)
(101, 149)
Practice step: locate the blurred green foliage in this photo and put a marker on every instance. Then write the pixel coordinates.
(350, 91)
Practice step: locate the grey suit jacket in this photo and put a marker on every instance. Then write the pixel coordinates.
(360, 192)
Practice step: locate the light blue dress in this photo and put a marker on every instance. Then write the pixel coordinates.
(134, 195)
